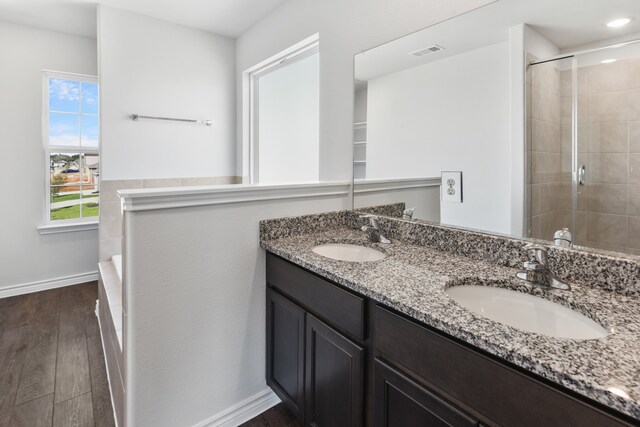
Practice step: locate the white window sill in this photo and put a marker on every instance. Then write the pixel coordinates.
(68, 228)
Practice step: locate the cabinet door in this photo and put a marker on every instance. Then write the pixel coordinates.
(334, 378)
(400, 402)
(285, 351)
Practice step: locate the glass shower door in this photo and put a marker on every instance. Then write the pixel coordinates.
(607, 182)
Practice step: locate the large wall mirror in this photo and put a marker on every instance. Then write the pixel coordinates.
(519, 118)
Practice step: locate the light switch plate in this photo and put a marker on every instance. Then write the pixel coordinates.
(451, 186)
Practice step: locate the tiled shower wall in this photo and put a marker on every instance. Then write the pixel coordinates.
(110, 229)
(608, 206)
(549, 181)
(608, 214)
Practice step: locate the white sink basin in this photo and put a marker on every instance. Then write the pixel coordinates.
(348, 252)
(526, 312)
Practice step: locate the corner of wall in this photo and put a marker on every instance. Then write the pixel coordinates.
(518, 155)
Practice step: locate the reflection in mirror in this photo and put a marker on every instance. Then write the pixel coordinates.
(599, 206)
(532, 105)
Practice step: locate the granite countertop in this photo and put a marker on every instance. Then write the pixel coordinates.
(412, 279)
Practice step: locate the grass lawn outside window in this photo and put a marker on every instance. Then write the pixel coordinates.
(88, 209)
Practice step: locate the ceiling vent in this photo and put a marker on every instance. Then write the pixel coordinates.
(426, 51)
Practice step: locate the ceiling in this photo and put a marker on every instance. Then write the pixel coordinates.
(565, 23)
(224, 17)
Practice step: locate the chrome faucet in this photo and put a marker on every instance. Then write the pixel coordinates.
(537, 271)
(374, 230)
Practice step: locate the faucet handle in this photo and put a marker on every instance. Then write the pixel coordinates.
(533, 266)
(373, 220)
(408, 213)
(562, 237)
(536, 253)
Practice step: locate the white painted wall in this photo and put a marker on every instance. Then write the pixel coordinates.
(345, 28)
(538, 45)
(289, 105)
(451, 114)
(195, 324)
(156, 68)
(425, 200)
(25, 255)
(517, 133)
(522, 39)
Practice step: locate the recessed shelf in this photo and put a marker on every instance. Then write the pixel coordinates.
(359, 162)
(359, 125)
(360, 143)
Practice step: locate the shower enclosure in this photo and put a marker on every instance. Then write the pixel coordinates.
(583, 147)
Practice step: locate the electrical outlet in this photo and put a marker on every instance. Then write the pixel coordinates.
(451, 187)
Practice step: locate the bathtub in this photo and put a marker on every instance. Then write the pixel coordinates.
(110, 296)
(110, 318)
(117, 264)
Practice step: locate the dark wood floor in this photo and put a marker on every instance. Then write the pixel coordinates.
(52, 370)
(278, 416)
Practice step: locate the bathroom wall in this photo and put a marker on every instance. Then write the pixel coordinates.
(29, 260)
(425, 199)
(450, 114)
(345, 29)
(608, 214)
(153, 67)
(195, 330)
(110, 230)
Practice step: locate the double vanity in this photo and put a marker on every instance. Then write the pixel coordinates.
(434, 328)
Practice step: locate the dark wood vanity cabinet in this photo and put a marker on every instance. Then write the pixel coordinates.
(331, 354)
(494, 392)
(400, 401)
(285, 347)
(312, 365)
(334, 377)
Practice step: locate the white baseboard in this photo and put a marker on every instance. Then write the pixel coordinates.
(243, 411)
(43, 285)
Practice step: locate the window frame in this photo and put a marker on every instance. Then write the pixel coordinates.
(73, 224)
(305, 48)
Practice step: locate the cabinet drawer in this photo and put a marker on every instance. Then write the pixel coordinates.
(498, 394)
(338, 307)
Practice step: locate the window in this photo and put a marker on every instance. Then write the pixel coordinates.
(284, 97)
(71, 140)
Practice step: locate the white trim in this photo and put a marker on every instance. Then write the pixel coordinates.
(43, 285)
(243, 411)
(48, 149)
(106, 364)
(65, 75)
(307, 47)
(169, 198)
(374, 185)
(56, 228)
(252, 122)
